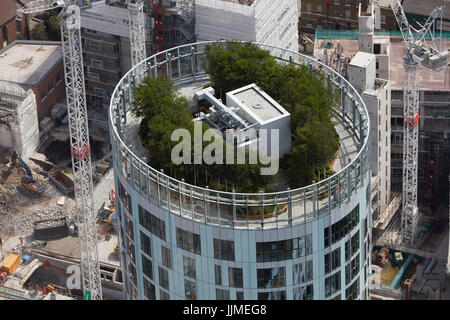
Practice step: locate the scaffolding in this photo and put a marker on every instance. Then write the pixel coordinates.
(174, 23)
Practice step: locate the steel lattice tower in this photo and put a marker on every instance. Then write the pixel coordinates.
(137, 31)
(79, 139)
(416, 54)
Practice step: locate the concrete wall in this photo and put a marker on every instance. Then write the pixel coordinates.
(26, 131)
(6, 137)
(362, 71)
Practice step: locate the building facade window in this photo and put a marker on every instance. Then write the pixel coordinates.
(352, 292)
(146, 245)
(351, 270)
(130, 247)
(124, 197)
(303, 293)
(218, 274)
(188, 241)
(166, 258)
(235, 277)
(271, 278)
(153, 224)
(163, 295)
(224, 249)
(341, 228)
(284, 249)
(97, 63)
(132, 272)
(222, 294)
(95, 45)
(147, 267)
(275, 295)
(163, 278)
(332, 260)
(50, 86)
(190, 290)
(302, 272)
(58, 78)
(333, 284)
(149, 290)
(189, 267)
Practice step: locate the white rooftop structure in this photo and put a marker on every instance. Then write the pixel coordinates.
(247, 110)
(362, 71)
(28, 63)
(256, 106)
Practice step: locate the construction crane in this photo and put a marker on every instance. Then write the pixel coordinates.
(416, 54)
(79, 138)
(137, 31)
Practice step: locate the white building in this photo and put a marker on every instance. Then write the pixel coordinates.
(264, 21)
(247, 110)
(376, 94)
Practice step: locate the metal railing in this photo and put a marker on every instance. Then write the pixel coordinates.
(233, 209)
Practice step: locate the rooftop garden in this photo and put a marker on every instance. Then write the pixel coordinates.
(304, 93)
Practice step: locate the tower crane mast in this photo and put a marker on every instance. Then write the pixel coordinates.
(416, 54)
(137, 30)
(79, 138)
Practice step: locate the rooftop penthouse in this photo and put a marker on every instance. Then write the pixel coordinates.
(247, 110)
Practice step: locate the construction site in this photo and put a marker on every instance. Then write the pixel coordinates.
(403, 271)
(38, 219)
(38, 223)
(57, 195)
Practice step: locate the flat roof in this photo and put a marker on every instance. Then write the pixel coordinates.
(29, 62)
(362, 59)
(429, 80)
(255, 101)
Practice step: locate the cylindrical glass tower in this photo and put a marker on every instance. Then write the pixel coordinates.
(181, 241)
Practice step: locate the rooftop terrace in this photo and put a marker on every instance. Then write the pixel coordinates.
(252, 210)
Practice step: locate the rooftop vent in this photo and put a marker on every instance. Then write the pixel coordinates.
(257, 106)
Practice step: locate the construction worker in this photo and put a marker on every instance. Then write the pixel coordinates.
(21, 240)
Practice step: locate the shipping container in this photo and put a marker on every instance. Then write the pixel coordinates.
(11, 263)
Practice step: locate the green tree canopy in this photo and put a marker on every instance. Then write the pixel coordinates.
(163, 111)
(303, 92)
(49, 30)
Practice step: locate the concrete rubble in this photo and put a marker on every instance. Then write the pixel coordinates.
(18, 212)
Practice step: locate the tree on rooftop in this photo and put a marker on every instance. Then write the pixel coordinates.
(303, 92)
(162, 112)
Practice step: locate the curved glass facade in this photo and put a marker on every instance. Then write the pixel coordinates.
(180, 241)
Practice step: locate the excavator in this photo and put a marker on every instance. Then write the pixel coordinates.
(29, 185)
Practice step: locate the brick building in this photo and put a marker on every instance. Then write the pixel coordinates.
(8, 31)
(36, 65)
(338, 15)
